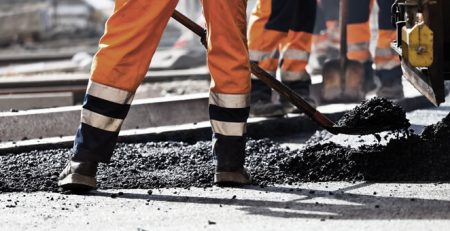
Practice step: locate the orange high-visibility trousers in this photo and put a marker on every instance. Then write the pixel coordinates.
(131, 37)
(133, 32)
(280, 34)
(326, 29)
(359, 34)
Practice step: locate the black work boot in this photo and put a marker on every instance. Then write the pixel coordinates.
(78, 176)
(261, 104)
(234, 178)
(391, 86)
(230, 157)
(301, 88)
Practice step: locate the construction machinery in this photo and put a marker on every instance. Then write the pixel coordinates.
(423, 43)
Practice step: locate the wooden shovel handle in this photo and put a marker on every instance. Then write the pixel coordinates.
(343, 21)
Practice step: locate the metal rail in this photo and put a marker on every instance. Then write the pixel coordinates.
(46, 83)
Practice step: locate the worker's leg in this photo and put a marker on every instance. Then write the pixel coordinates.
(228, 62)
(131, 36)
(387, 63)
(264, 47)
(297, 47)
(320, 42)
(359, 37)
(326, 32)
(331, 14)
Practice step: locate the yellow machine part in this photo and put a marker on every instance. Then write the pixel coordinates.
(417, 45)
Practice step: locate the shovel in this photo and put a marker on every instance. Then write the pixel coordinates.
(283, 90)
(343, 78)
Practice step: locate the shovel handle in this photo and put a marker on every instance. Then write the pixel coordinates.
(291, 95)
(265, 77)
(191, 25)
(343, 21)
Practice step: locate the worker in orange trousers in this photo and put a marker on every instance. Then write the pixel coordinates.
(279, 39)
(387, 73)
(131, 37)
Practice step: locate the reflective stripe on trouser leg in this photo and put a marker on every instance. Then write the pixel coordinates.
(295, 52)
(230, 86)
(359, 42)
(358, 37)
(131, 36)
(385, 57)
(321, 44)
(102, 115)
(297, 81)
(263, 43)
(228, 114)
(359, 51)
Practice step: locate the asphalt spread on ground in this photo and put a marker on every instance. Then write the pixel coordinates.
(408, 157)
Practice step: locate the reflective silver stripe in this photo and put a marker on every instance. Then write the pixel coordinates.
(229, 100)
(321, 48)
(109, 93)
(359, 46)
(387, 65)
(256, 55)
(295, 54)
(295, 76)
(100, 121)
(384, 52)
(228, 128)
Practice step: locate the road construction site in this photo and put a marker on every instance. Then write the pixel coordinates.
(162, 171)
(314, 178)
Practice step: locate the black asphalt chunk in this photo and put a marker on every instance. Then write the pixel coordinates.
(375, 112)
(175, 164)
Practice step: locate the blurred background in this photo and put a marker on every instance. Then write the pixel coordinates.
(46, 49)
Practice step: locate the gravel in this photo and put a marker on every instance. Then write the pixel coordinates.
(150, 165)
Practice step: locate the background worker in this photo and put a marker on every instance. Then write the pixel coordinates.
(388, 72)
(387, 64)
(131, 36)
(326, 35)
(280, 37)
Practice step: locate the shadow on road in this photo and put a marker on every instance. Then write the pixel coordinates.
(332, 204)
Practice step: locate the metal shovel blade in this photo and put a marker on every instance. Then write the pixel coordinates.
(342, 85)
(343, 79)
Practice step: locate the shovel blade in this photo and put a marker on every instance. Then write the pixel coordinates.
(332, 90)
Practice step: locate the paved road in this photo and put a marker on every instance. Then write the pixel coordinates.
(314, 206)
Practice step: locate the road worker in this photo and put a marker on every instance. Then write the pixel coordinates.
(388, 72)
(326, 35)
(387, 64)
(131, 36)
(279, 39)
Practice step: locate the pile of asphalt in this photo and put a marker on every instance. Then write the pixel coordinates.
(377, 113)
(175, 164)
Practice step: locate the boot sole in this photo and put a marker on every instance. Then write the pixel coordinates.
(78, 182)
(231, 179)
